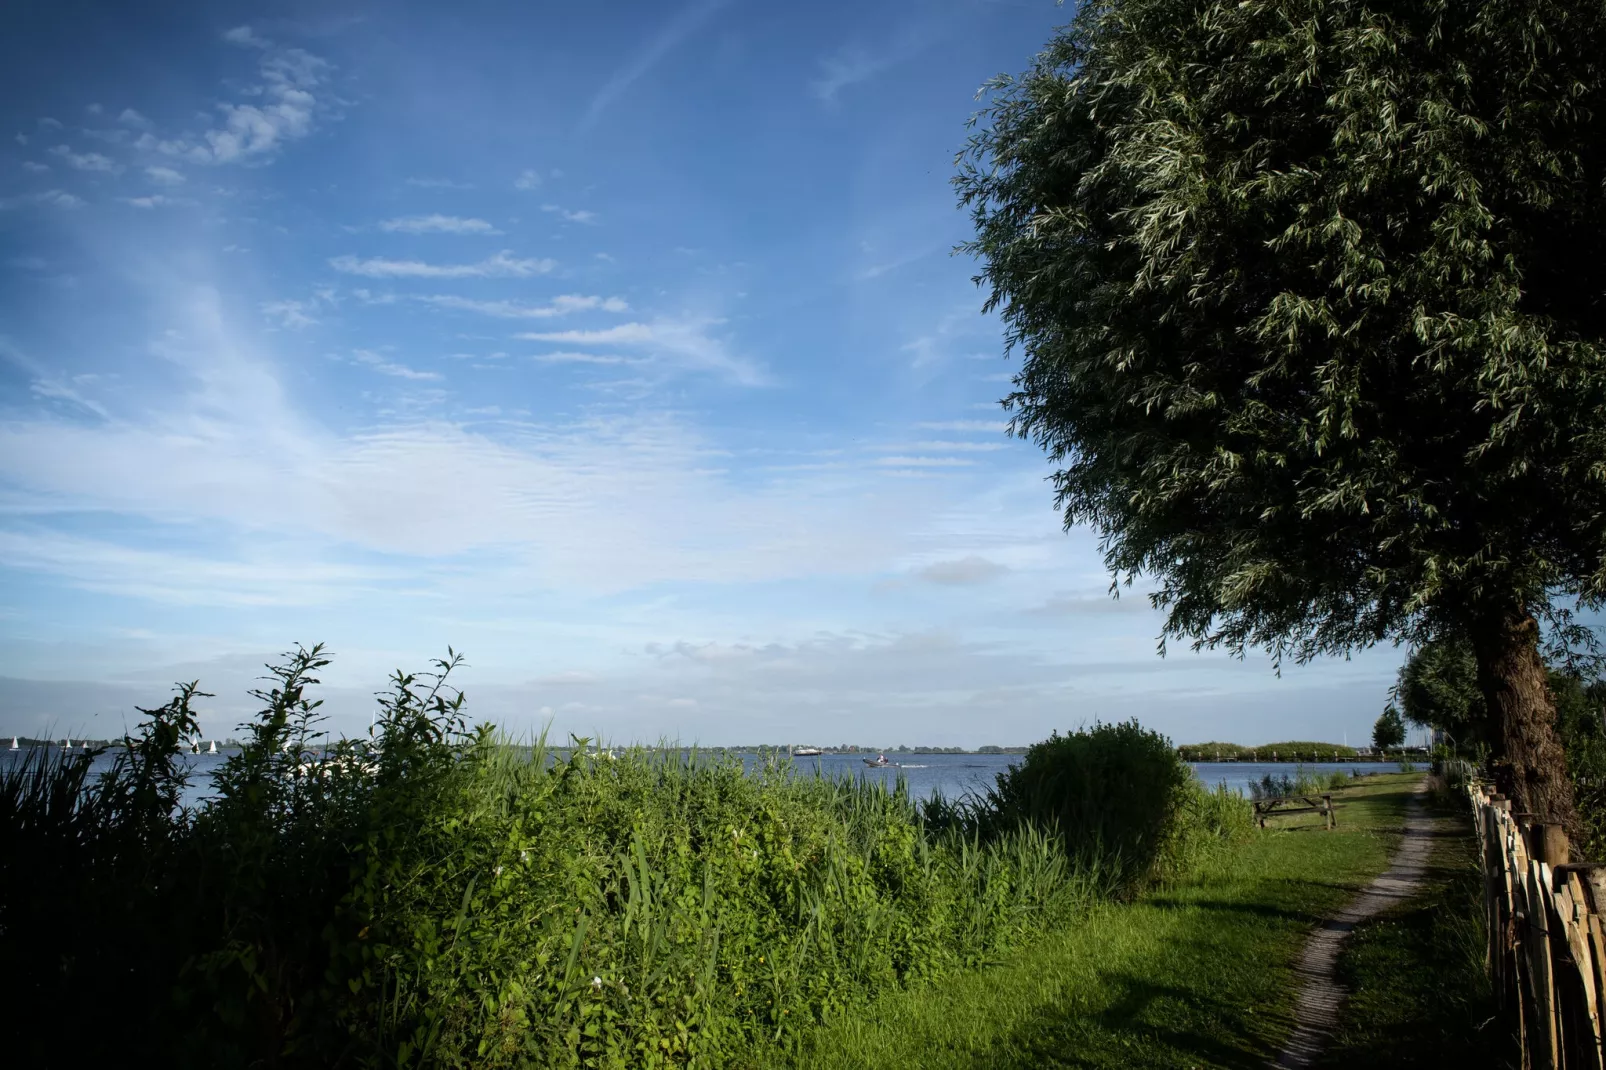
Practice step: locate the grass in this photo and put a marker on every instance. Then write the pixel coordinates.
(1196, 975)
(1416, 974)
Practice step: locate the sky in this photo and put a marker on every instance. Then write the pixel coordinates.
(622, 348)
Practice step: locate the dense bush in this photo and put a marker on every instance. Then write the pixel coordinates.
(1119, 798)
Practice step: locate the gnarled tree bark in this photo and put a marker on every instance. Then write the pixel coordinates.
(1516, 690)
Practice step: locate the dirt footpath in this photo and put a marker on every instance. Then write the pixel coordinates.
(1320, 994)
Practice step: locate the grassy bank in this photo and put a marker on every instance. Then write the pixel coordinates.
(1195, 975)
(1287, 751)
(432, 896)
(1418, 991)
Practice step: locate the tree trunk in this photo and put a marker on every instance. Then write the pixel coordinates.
(1514, 682)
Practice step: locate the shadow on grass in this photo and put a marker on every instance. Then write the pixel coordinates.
(1418, 992)
(1149, 1024)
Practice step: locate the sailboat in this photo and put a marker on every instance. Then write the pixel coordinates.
(212, 747)
(13, 742)
(67, 745)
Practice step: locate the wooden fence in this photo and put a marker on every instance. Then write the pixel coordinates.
(1547, 948)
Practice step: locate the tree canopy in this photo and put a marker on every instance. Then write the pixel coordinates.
(1438, 688)
(1389, 731)
(1311, 298)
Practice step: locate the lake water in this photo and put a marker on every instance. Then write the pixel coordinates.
(948, 775)
(953, 775)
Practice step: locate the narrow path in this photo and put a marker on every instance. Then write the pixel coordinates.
(1320, 994)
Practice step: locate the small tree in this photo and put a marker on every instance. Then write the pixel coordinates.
(1438, 688)
(1389, 731)
(1312, 300)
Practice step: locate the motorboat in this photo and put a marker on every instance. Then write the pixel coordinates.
(879, 762)
(806, 752)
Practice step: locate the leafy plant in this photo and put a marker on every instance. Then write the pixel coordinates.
(1117, 795)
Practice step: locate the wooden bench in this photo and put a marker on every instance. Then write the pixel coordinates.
(1297, 804)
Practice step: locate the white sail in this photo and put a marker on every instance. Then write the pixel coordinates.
(68, 744)
(212, 748)
(13, 742)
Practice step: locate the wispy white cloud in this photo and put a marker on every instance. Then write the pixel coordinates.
(274, 577)
(86, 161)
(57, 197)
(847, 67)
(528, 180)
(437, 224)
(1092, 602)
(503, 265)
(594, 503)
(996, 426)
(581, 216)
(684, 343)
(164, 176)
(154, 200)
(665, 41)
(384, 366)
(245, 35)
(438, 183)
(36, 167)
(291, 314)
(964, 571)
(924, 462)
(279, 109)
(957, 447)
(884, 267)
(854, 63)
(44, 383)
(130, 117)
(562, 305)
(562, 357)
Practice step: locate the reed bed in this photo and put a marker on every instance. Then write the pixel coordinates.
(436, 896)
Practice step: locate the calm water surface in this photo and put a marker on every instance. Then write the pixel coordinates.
(948, 775)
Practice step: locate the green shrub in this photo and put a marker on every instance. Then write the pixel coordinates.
(1119, 796)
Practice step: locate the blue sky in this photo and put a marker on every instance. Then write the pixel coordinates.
(621, 348)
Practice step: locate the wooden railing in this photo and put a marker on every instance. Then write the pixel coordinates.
(1547, 948)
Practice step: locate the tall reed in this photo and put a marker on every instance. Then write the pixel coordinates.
(436, 896)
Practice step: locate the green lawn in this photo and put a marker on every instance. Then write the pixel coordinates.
(1419, 995)
(1193, 976)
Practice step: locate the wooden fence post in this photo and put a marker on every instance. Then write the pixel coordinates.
(1550, 845)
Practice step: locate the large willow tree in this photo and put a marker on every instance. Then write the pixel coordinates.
(1311, 298)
